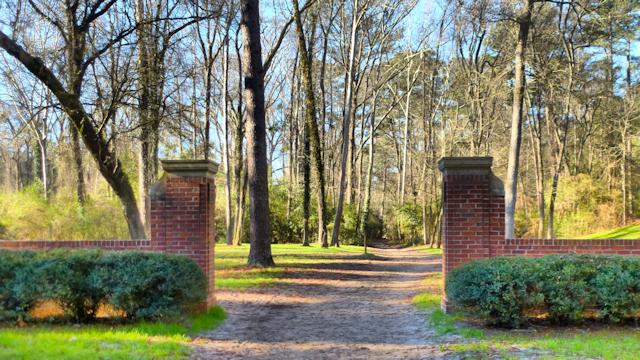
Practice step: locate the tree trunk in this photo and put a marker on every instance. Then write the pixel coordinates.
(554, 185)
(511, 188)
(242, 196)
(350, 150)
(44, 166)
(405, 145)
(311, 124)
(367, 192)
(346, 125)
(539, 167)
(148, 107)
(290, 123)
(239, 178)
(559, 157)
(227, 163)
(77, 164)
(257, 171)
(306, 192)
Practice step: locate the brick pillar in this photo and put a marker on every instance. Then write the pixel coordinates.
(182, 213)
(473, 211)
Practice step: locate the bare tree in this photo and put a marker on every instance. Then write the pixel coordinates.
(75, 43)
(523, 19)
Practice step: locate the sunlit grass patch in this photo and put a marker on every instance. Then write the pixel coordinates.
(605, 344)
(625, 232)
(443, 323)
(427, 301)
(143, 340)
(232, 272)
(87, 343)
(428, 250)
(246, 278)
(560, 344)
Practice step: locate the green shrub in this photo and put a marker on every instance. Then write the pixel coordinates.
(150, 285)
(508, 291)
(373, 226)
(566, 284)
(10, 306)
(140, 284)
(62, 276)
(409, 218)
(496, 291)
(617, 290)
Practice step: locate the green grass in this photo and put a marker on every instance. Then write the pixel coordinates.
(567, 344)
(443, 323)
(615, 343)
(625, 232)
(427, 301)
(233, 274)
(143, 340)
(607, 344)
(428, 250)
(248, 278)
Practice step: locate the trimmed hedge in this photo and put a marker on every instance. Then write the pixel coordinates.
(510, 291)
(139, 284)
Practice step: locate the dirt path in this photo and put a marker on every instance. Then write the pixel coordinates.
(349, 308)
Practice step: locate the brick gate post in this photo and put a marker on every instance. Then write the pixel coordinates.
(183, 211)
(473, 212)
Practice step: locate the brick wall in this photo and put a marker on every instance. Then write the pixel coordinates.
(181, 220)
(91, 244)
(540, 247)
(473, 220)
(473, 210)
(182, 214)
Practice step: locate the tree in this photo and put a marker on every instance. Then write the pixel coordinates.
(355, 19)
(260, 252)
(75, 34)
(311, 124)
(523, 19)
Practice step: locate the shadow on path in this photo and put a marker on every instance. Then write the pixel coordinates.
(347, 307)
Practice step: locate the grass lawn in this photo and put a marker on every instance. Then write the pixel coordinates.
(157, 340)
(428, 250)
(569, 343)
(143, 340)
(232, 272)
(625, 232)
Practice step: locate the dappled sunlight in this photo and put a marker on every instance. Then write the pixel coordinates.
(257, 297)
(326, 305)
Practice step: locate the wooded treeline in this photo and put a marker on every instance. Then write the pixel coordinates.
(325, 110)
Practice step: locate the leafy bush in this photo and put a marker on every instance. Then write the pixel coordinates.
(566, 284)
(287, 228)
(617, 289)
(10, 306)
(373, 226)
(150, 285)
(508, 291)
(140, 284)
(409, 218)
(349, 226)
(496, 291)
(64, 277)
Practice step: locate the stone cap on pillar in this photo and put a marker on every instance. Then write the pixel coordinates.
(476, 165)
(190, 168)
(480, 165)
